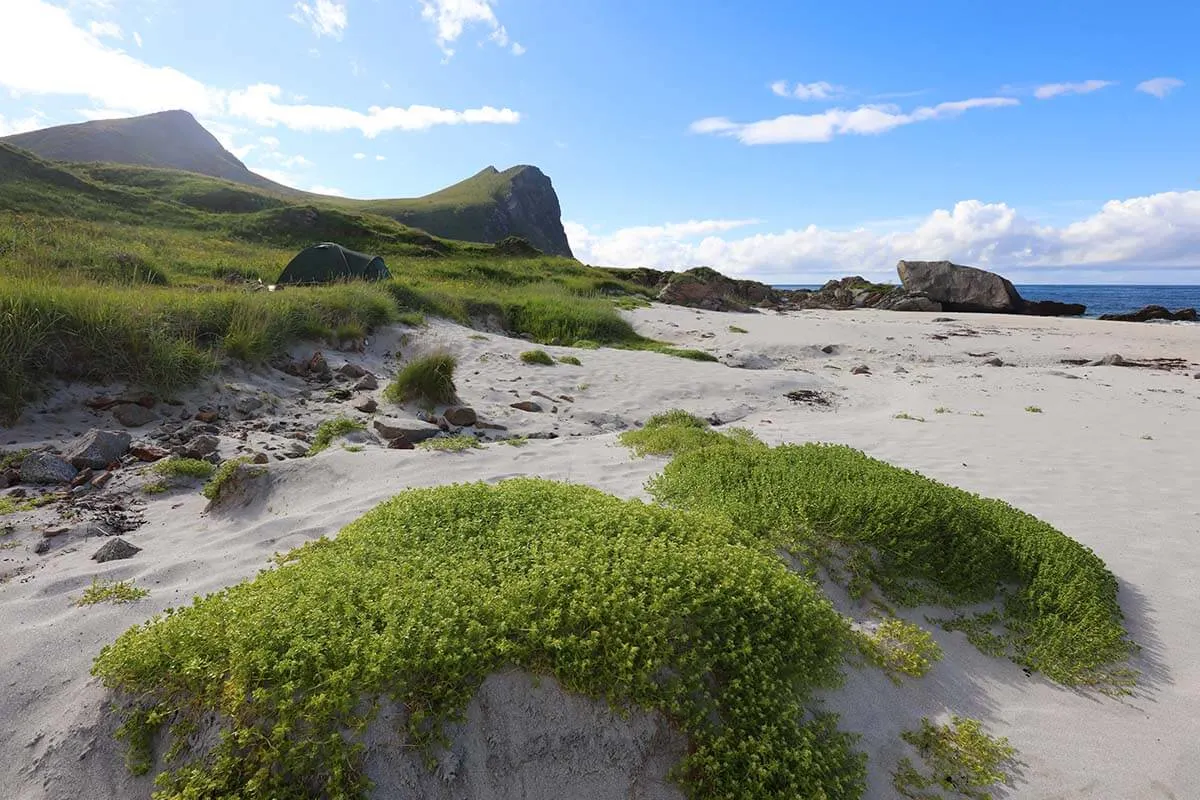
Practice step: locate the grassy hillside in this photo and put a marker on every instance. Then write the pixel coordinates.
(136, 274)
(483, 208)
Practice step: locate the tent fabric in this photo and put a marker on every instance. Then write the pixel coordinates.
(328, 262)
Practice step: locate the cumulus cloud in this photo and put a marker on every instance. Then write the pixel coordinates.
(1157, 231)
(259, 104)
(451, 17)
(118, 84)
(864, 121)
(101, 29)
(1046, 91)
(324, 17)
(11, 127)
(1159, 87)
(329, 190)
(821, 90)
(359, 156)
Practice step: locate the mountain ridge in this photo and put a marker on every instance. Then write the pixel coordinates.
(486, 207)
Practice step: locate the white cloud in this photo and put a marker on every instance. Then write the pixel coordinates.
(137, 38)
(1049, 90)
(821, 90)
(864, 120)
(109, 29)
(258, 104)
(329, 190)
(1159, 87)
(359, 156)
(1156, 231)
(118, 84)
(451, 17)
(10, 127)
(381, 158)
(269, 141)
(325, 17)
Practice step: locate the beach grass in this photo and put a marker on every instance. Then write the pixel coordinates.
(428, 379)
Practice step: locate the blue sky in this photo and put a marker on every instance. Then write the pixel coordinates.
(789, 141)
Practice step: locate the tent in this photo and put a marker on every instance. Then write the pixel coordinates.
(328, 262)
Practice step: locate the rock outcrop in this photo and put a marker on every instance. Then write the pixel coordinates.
(960, 288)
(703, 287)
(529, 209)
(1152, 313)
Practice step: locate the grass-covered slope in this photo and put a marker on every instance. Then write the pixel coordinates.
(426, 595)
(918, 540)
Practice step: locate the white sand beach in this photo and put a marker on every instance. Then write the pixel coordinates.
(1110, 459)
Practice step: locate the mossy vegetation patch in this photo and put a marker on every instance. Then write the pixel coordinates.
(430, 592)
(429, 379)
(916, 540)
(331, 429)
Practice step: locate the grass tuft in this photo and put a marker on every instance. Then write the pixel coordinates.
(451, 444)
(1033, 409)
(429, 379)
(537, 357)
(183, 468)
(224, 474)
(737, 329)
(572, 360)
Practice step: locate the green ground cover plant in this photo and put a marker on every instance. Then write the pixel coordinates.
(677, 431)
(331, 429)
(572, 360)
(537, 357)
(737, 329)
(429, 379)
(224, 474)
(428, 593)
(183, 468)
(960, 760)
(919, 541)
(899, 648)
(105, 591)
(451, 444)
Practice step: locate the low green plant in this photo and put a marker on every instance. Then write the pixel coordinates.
(224, 473)
(1033, 409)
(960, 760)
(898, 648)
(183, 468)
(679, 352)
(917, 540)
(451, 444)
(416, 319)
(430, 592)
(8, 506)
(429, 379)
(156, 487)
(12, 459)
(572, 360)
(331, 429)
(353, 448)
(516, 441)
(537, 357)
(586, 344)
(942, 410)
(678, 431)
(909, 417)
(105, 591)
(737, 329)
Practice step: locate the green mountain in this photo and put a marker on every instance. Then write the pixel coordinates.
(486, 207)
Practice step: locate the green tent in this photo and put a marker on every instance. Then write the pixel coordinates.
(328, 262)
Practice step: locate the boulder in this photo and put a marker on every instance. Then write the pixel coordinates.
(351, 370)
(706, 288)
(366, 405)
(460, 416)
(45, 469)
(411, 430)
(247, 405)
(115, 549)
(200, 446)
(1150, 313)
(133, 416)
(367, 383)
(1053, 308)
(960, 288)
(148, 452)
(97, 449)
(911, 302)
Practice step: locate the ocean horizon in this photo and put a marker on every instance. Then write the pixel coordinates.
(1099, 298)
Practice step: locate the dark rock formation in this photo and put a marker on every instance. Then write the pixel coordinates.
(855, 291)
(702, 287)
(1154, 313)
(1052, 308)
(960, 288)
(114, 550)
(46, 469)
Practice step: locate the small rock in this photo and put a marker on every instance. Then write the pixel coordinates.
(1112, 360)
(366, 405)
(144, 399)
(83, 477)
(352, 371)
(97, 449)
(45, 469)
(994, 362)
(51, 533)
(490, 426)
(367, 383)
(526, 405)
(42, 547)
(400, 443)
(148, 452)
(201, 446)
(411, 430)
(247, 405)
(566, 398)
(207, 416)
(259, 458)
(295, 450)
(101, 480)
(861, 369)
(543, 435)
(829, 349)
(1197, 376)
(900, 371)
(133, 416)
(115, 549)
(460, 416)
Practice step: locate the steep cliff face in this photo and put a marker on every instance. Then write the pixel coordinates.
(529, 208)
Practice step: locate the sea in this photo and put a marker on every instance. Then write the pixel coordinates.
(1099, 299)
